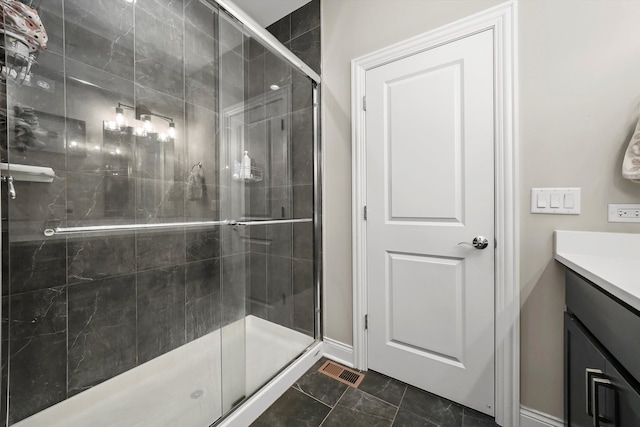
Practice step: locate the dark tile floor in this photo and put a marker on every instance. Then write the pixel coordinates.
(317, 400)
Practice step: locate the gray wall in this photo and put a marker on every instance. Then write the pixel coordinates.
(578, 105)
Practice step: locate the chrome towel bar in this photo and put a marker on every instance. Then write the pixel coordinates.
(49, 232)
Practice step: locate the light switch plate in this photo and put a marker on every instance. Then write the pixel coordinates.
(624, 213)
(559, 201)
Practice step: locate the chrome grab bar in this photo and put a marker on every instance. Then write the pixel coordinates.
(124, 227)
(270, 222)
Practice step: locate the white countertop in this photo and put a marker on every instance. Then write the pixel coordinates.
(610, 260)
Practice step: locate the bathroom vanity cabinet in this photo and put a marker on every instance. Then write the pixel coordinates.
(602, 357)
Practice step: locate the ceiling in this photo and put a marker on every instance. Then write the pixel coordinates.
(266, 12)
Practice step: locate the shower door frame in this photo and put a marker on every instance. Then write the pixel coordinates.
(313, 352)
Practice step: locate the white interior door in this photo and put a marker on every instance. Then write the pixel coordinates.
(430, 186)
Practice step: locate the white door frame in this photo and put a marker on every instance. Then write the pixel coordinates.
(502, 19)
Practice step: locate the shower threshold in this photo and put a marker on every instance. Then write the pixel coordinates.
(184, 386)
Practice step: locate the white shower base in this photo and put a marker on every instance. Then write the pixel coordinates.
(183, 387)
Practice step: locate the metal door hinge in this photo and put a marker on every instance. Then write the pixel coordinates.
(364, 103)
(365, 213)
(495, 243)
(366, 322)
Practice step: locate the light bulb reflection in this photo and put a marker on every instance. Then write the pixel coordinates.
(146, 124)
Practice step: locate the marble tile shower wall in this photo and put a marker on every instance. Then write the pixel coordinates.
(79, 310)
(281, 277)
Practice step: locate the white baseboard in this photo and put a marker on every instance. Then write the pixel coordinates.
(250, 410)
(338, 352)
(532, 418)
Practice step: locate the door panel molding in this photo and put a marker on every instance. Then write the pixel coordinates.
(502, 19)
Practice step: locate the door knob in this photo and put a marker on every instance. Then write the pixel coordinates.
(479, 242)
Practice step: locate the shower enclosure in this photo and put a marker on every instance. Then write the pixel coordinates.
(160, 214)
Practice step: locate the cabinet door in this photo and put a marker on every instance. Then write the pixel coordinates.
(622, 400)
(583, 361)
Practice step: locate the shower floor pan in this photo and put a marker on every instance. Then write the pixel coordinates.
(183, 387)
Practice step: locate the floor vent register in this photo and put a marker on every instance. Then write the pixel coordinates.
(342, 374)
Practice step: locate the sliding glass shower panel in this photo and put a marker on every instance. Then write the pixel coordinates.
(114, 128)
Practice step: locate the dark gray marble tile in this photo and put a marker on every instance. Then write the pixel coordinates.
(406, 418)
(201, 132)
(4, 355)
(303, 240)
(161, 8)
(281, 240)
(38, 313)
(201, 68)
(281, 29)
(159, 200)
(36, 265)
(471, 418)
(233, 288)
(159, 58)
(303, 296)
(202, 244)
(157, 158)
(302, 91)
(383, 387)
(256, 204)
(159, 250)
(280, 202)
(40, 103)
(37, 382)
(91, 258)
(92, 97)
(161, 311)
(257, 285)
(293, 409)
(201, 16)
(230, 35)
(276, 70)
(280, 290)
(433, 408)
(302, 146)
(234, 240)
(258, 240)
(357, 408)
(51, 16)
(95, 196)
(253, 48)
(202, 202)
(319, 386)
(302, 201)
(305, 18)
(38, 206)
(202, 279)
(203, 315)
(256, 76)
(307, 48)
(233, 74)
(100, 33)
(102, 331)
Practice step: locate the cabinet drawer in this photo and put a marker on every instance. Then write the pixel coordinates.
(614, 324)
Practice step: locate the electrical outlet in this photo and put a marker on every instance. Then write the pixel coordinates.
(624, 213)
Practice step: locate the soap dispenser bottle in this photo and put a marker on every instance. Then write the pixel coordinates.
(246, 166)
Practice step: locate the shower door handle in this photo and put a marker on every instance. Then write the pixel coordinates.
(479, 242)
(10, 187)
